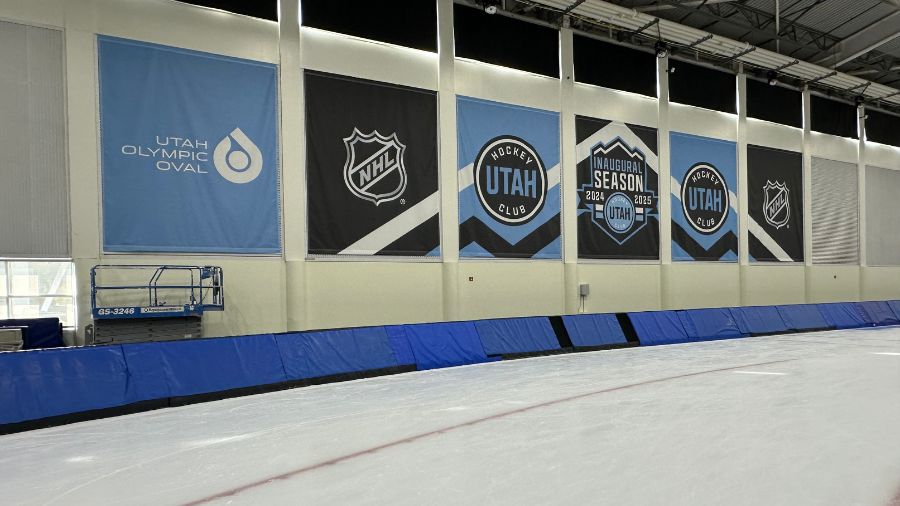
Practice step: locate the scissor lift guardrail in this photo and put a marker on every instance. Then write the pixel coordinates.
(154, 319)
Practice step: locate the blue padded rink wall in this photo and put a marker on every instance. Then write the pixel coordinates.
(790, 418)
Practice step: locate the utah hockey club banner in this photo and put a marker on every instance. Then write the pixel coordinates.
(704, 198)
(371, 168)
(618, 190)
(509, 200)
(775, 195)
(189, 150)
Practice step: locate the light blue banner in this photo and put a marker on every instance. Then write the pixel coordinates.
(509, 197)
(189, 151)
(704, 198)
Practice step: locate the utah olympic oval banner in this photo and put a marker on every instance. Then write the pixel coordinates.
(189, 150)
(509, 200)
(704, 198)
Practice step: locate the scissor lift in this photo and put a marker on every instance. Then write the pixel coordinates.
(169, 306)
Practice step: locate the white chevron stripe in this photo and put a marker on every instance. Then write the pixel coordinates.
(384, 235)
(583, 149)
(768, 242)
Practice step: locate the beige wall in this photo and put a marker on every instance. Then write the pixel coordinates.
(290, 292)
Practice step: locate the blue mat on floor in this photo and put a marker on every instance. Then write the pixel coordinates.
(759, 320)
(709, 324)
(594, 329)
(658, 327)
(803, 317)
(329, 352)
(879, 312)
(844, 315)
(516, 335)
(437, 345)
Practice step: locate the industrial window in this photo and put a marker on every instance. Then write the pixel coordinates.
(883, 128)
(34, 204)
(36, 289)
(613, 66)
(263, 9)
(501, 40)
(702, 87)
(835, 212)
(832, 117)
(410, 23)
(774, 103)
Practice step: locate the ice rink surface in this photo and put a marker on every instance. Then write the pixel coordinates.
(801, 419)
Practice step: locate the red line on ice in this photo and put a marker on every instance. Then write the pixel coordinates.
(375, 449)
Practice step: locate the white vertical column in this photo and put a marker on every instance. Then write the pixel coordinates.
(83, 164)
(861, 181)
(447, 163)
(568, 180)
(665, 187)
(807, 195)
(293, 166)
(743, 193)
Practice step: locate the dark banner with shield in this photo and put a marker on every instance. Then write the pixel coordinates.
(371, 168)
(618, 190)
(775, 191)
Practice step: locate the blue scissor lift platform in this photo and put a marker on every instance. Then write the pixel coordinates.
(168, 305)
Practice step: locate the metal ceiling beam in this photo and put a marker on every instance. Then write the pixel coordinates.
(689, 3)
(870, 38)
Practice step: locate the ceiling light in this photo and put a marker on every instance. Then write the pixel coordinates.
(662, 50)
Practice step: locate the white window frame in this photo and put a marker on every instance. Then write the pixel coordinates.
(6, 261)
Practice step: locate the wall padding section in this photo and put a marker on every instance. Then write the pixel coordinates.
(331, 352)
(183, 368)
(516, 335)
(437, 345)
(594, 329)
(658, 327)
(38, 384)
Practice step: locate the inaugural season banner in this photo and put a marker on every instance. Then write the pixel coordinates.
(704, 198)
(775, 191)
(371, 151)
(189, 150)
(508, 180)
(618, 185)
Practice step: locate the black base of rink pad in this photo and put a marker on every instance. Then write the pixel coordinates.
(627, 328)
(140, 407)
(562, 334)
(604, 347)
(530, 354)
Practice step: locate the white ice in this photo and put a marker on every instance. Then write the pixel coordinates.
(695, 424)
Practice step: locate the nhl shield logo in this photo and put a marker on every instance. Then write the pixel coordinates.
(374, 169)
(776, 207)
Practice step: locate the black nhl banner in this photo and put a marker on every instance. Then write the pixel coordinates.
(618, 186)
(775, 187)
(371, 162)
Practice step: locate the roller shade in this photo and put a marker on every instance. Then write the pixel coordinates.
(835, 212)
(34, 204)
(882, 210)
